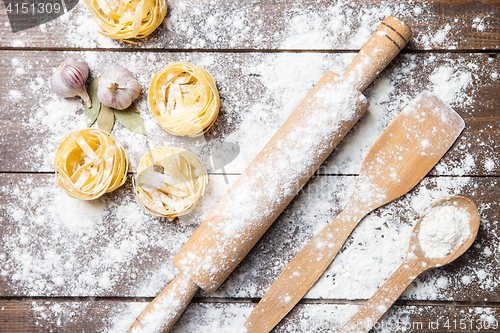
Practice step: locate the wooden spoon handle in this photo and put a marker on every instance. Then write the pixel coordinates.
(385, 296)
(384, 44)
(162, 313)
(303, 270)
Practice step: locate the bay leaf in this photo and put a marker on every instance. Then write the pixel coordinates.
(133, 108)
(106, 118)
(131, 119)
(92, 112)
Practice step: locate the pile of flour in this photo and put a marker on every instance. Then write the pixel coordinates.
(443, 229)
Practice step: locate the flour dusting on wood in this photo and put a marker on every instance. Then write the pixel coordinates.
(58, 246)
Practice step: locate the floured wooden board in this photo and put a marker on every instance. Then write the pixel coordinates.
(68, 265)
(298, 25)
(118, 249)
(258, 94)
(113, 317)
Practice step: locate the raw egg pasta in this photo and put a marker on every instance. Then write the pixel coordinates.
(170, 181)
(89, 163)
(184, 99)
(125, 19)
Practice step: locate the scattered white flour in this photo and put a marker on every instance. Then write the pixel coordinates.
(223, 24)
(254, 109)
(489, 164)
(18, 43)
(15, 94)
(441, 35)
(443, 229)
(58, 246)
(478, 23)
(457, 168)
(296, 151)
(449, 84)
(466, 279)
(442, 282)
(199, 317)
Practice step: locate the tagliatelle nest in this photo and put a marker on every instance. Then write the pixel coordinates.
(89, 163)
(125, 19)
(170, 181)
(184, 99)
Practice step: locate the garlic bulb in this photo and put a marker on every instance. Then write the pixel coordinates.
(69, 79)
(117, 88)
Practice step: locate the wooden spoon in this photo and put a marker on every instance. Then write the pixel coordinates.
(415, 263)
(405, 152)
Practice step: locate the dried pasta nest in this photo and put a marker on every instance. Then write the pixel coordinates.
(170, 181)
(89, 163)
(126, 19)
(184, 99)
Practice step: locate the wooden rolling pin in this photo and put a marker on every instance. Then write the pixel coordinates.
(273, 178)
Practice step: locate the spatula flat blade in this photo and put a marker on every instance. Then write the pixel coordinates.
(407, 150)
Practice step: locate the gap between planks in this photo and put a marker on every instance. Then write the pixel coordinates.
(494, 52)
(218, 300)
(239, 174)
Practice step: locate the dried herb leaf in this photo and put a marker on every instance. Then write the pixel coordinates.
(92, 112)
(131, 119)
(133, 108)
(106, 118)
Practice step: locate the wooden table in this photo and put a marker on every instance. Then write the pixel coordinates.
(73, 266)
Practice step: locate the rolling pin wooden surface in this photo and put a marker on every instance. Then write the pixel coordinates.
(273, 178)
(406, 151)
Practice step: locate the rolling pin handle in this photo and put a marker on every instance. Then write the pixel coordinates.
(384, 44)
(163, 312)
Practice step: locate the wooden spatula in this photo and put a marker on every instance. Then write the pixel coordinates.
(407, 150)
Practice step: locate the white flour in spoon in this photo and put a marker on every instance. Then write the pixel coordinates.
(442, 230)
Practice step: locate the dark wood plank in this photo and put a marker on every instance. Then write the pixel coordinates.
(116, 316)
(56, 246)
(258, 95)
(284, 24)
(15, 317)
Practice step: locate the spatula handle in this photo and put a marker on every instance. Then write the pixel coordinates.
(303, 270)
(162, 313)
(384, 44)
(382, 300)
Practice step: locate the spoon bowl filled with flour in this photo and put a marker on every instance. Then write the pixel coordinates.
(445, 231)
(441, 235)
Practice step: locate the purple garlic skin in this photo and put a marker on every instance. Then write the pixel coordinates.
(117, 88)
(69, 79)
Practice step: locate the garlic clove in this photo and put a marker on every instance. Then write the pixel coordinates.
(117, 88)
(69, 79)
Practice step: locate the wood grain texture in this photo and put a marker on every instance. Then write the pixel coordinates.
(378, 52)
(387, 173)
(255, 105)
(30, 226)
(15, 317)
(284, 24)
(256, 100)
(113, 316)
